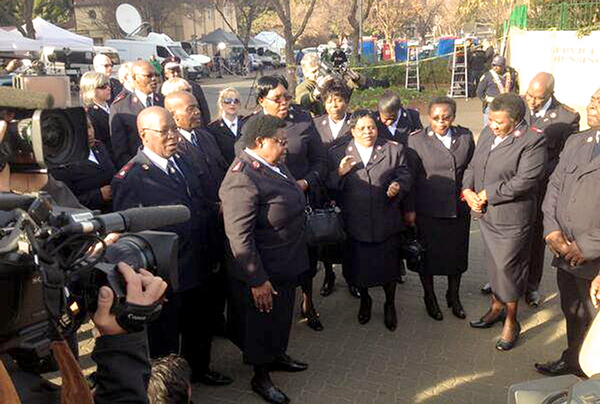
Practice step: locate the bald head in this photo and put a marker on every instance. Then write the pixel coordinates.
(144, 76)
(540, 89)
(103, 64)
(184, 108)
(158, 131)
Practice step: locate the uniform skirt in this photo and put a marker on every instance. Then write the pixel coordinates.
(262, 337)
(372, 264)
(446, 242)
(506, 252)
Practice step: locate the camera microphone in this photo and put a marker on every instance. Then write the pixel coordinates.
(22, 99)
(129, 220)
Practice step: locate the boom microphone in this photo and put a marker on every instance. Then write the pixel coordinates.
(131, 220)
(23, 99)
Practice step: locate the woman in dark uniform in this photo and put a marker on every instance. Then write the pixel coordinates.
(500, 187)
(227, 128)
(94, 89)
(263, 210)
(371, 177)
(90, 180)
(304, 158)
(441, 155)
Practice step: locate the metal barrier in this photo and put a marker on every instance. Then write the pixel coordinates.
(567, 16)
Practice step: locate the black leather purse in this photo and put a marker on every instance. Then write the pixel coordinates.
(412, 250)
(324, 226)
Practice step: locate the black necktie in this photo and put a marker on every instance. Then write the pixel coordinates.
(194, 139)
(596, 150)
(149, 101)
(175, 174)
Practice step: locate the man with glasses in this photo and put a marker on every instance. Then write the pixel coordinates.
(157, 176)
(556, 122)
(126, 108)
(103, 64)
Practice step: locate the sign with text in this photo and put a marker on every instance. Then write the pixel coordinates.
(574, 62)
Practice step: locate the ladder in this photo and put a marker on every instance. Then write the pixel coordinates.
(459, 87)
(412, 79)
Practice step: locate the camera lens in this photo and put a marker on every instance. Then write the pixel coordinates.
(64, 136)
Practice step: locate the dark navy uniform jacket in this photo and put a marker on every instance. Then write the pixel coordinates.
(198, 93)
(115, 89)
(487, 87)
(225, 138)
(322, 125)
(100, 122)
(85, 178)
(558, 123)
(409, 122)
(123, 128)
(572, 203)
(141, 183)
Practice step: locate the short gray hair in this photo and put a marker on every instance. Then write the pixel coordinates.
(310, 59)
(175, 85)
(90, 81)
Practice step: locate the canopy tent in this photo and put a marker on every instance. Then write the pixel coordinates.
(273, 41)
(220, 36)
(51, 35)
(11, 42)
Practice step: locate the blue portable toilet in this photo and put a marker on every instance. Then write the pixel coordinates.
(368, 50)
(401, 49)
(446, 45)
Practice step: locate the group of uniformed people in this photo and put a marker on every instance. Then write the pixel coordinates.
(248, 182)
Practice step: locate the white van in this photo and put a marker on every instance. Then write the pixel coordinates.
(159, 45)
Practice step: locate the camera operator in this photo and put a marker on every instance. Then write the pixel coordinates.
(121, 357)
(308, 93)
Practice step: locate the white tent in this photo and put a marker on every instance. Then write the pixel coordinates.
(11, 42)
(51, 35)
(273, 40)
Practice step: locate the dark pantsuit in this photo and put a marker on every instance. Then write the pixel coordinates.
(578, 310)
(163, 334)
(538, 249)
(196, 335)
(261, 336)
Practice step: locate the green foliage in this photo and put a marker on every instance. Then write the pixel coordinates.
(368, 98)
(55, 11)
(433, 71)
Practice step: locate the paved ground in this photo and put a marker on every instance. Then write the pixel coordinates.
(424, 361)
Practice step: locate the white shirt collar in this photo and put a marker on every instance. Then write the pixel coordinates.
(105, 107)
(272, 167)
(544, 109)
(598, 136)
(142, 97)
(392, 128)
(92, 157)
(446, 139)
(364, 153)
(231, 123)
(159, 161)
(498, 140)
(187, 135)
(336, 127)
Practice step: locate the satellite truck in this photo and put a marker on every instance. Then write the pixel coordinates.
(135, 47)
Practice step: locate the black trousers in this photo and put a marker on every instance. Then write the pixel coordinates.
(262, 337)
(163, 333)
(538, 245)
(579, 312)
(197, 326)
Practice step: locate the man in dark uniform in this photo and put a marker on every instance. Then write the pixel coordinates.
(103, 64)
(125, 109)
(556, 122)
(571, 230)
(202, 151)
(394, 121)
(157, 176)
(172, 68)
(500, 79)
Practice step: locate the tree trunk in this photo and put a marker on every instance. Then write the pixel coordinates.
(289, 56)
(28, 17)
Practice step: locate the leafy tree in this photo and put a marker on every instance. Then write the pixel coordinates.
(21, 13)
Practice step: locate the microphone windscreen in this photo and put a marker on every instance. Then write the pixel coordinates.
(154, 217)
(22, 99)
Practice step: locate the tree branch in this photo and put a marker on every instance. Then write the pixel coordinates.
(309, 12)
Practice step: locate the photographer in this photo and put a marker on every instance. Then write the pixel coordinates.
(308, 93)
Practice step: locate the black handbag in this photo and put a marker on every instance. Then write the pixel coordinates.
(324, 226)
(412, 250)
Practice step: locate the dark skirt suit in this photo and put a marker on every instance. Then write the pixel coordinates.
(264, 222)
(442, 218)
(510, 174)
(373, 221)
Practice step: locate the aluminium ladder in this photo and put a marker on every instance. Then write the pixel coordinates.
(412, 79)
(459, 87)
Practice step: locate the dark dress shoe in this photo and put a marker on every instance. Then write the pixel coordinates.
(269, 392)
(390, 318)
(534, 298)
(212, 378)
(487, 324)
(508, 344)
(400, 279)
(328, 284)
(557, 368)
(312, 319)
(354, 291)
(456, 305)
(286, 364)
(364, 313)
(433, 309)
(486, 289)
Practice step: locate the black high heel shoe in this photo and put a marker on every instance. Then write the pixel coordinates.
(364, 313)
(456, 305)
(481, 323)
(312, 318)
(507, 345)
(433, 309)
(390, 318)
(328, 284)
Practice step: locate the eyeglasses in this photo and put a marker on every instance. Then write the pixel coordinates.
(103, 86)
(147, 75)
(229, 101)
(527, 95)
(107, 65)
(280, 141)
(444, 118)
(164, 133)
(280, 99)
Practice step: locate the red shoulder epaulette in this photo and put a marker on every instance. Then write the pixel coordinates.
(414, 132)
(238, 166)
(120, 97)
(123, 171)
(537, 130)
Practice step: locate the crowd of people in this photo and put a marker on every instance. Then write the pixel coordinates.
(248, 181)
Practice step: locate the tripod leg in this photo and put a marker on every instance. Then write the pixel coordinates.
(74, 389)
(8, 393)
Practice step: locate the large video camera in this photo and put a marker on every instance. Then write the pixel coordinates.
(49, 282)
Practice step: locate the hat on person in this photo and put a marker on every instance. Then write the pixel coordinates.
(498, 61)
(172, 62)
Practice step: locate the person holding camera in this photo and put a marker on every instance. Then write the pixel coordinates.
(440, 154)
(308, 93)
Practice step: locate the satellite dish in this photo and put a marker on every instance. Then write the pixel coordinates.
(129, 19)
